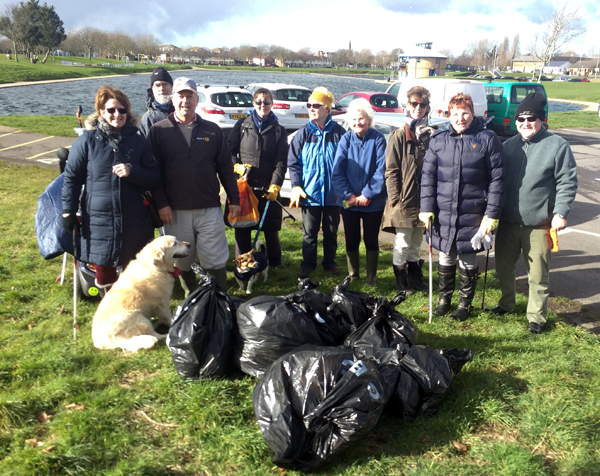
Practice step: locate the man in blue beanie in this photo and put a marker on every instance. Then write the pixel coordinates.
(539, 190)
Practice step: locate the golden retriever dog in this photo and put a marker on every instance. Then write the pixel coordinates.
(142, 291)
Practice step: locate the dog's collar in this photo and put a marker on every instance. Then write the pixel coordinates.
(176, 272)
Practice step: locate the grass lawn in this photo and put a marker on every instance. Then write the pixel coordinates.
(24, 70)
(526, 405)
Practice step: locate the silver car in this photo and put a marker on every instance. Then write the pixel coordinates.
(289, 103)
(224, 105)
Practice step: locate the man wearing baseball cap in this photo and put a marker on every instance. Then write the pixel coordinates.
(310, 163)
(539, 190)
(193, 156)
(158, 99)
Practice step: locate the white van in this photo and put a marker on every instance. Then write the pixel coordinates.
(442, 90)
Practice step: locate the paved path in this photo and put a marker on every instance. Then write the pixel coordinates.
(575, 268)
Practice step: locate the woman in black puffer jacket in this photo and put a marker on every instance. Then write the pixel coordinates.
(461, 192)
(115, 222)
(259, 142)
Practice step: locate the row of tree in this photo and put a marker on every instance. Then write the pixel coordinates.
(34, 29)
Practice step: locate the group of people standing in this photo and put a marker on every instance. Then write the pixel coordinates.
(458, 181)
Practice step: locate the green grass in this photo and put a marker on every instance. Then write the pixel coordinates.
(558, 120)
(526, 405)
(24, 70)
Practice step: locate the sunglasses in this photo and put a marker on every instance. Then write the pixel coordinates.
(111, 110)
(313, 106)
(528, 119)
(422, 104)
(260, 103)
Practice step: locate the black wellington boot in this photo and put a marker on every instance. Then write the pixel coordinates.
(415, 276)
(402, 279)
(466, 290)
(447, 282)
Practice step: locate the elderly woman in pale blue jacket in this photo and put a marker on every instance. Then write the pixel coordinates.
(359, 182)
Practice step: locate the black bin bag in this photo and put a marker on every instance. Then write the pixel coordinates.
(271, 326)
(353, 307)
(387, 336)
(313, 402)
(202, 331)
(424, 379)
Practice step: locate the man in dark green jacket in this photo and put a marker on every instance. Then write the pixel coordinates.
(539, 190)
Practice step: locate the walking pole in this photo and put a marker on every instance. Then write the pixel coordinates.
(64, 266)
(75, 283)
(430, 273)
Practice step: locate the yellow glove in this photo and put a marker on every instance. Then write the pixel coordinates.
(489, 224)
(272, 192)
(425, 217)
(240, 169)
(297, 193)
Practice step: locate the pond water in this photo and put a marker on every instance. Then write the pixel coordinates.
(60, 99)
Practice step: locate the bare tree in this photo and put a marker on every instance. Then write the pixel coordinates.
(504, 53)
(365, 57)
(90, 39)
(121, 44)
(564, 25)
(147, 44)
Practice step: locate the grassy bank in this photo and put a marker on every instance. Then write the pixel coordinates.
(63, 125)
(526, 405)
(24, 70)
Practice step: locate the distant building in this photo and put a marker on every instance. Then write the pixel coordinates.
(556, 67)
(526, 64)
(421, 62)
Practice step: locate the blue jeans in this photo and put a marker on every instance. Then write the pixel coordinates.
(312, 217)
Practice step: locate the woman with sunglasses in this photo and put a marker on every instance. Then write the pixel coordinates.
(115, 222)
(258, 143)
(403, 164)
(359, 183)
(461, 197)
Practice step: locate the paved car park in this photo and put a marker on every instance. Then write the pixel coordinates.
(575, 268)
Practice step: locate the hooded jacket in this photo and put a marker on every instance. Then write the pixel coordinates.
(463, 180)
(359, 169)
(541, 179)
(154, 113)
(115, 222)
(310, 162)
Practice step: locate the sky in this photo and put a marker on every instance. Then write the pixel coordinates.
(326, 25)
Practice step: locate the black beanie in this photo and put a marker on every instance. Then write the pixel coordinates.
(533, 104)
(161, 74)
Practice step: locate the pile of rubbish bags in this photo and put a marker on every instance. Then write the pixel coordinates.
(327, 364)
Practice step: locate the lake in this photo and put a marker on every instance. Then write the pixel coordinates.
(60, 99)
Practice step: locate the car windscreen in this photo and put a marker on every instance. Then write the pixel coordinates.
(519, 91)
(232, 99)
(299, 95)
(384, 100)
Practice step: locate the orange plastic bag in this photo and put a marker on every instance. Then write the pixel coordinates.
(248, 216)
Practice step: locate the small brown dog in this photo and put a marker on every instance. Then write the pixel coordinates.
(250, 265)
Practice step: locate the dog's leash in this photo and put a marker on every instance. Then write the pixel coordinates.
(260, 225)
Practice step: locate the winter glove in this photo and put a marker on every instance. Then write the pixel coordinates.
(272, 192)
(240, 169)
(425, 217)
(490, 224)
(297, 193)
(69, 221)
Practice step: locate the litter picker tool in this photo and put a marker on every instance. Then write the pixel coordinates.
(260, 225)
(487, 259)
(75, 283)
(430, 272)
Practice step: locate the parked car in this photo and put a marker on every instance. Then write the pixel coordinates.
(381, 102)
(382, 121)
(561, 78)
(546, 78)
(574, 80)
(585, 80)
(289, 103)
(503, 98)
(223, 105)
(394, 87)
(442, 90)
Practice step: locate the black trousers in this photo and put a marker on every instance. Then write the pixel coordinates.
(312, 217)
(371, 224)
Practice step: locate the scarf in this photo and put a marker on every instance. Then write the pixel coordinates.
(260, 123)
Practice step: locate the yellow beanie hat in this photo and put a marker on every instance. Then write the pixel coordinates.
(322, 96)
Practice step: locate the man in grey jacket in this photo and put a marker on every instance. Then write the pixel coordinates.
(539, 190)
(158, 100)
